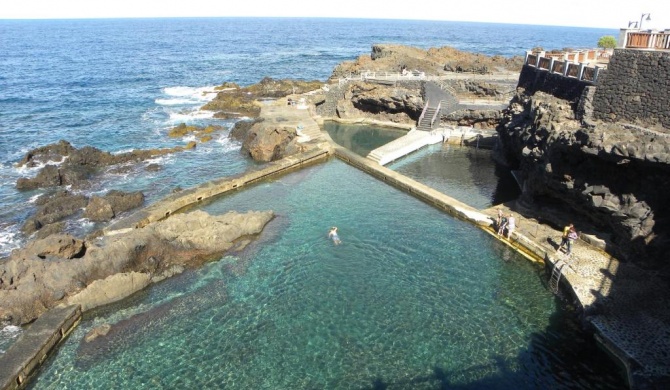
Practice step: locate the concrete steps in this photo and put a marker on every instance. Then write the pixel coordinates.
(425, 124)
(308, 132)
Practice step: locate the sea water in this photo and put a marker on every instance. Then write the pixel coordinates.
(412, 298)
(121, 84)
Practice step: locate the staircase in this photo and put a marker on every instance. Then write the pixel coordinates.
(426, 119)
(309, 132)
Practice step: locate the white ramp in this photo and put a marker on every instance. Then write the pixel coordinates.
(413, 140)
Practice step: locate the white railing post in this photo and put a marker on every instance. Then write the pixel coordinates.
(566, 65)
(596, 71)
(551, 65)
(580, 73)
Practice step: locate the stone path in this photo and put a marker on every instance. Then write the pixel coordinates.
(620, 300)
(280, 112)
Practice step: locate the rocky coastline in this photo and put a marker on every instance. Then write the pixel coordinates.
(610, 178)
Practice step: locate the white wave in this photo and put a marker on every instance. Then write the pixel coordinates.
(164, 159)
(83, 223)
(9, 332)
(9, 240)
(188, 116)
(201, 94)
(175, 102)
(34, 198)
(227, 144)
(122, 151)
(24, 169)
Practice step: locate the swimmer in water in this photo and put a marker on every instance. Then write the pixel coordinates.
(333, 234)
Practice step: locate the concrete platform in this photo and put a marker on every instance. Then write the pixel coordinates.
(400, 147)
(34, 345)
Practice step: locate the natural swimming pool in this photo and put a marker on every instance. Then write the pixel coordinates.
(412, 299)
(465, 173)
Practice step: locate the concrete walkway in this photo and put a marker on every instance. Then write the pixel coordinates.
(299, 116)
(408, 143)
(619, 300)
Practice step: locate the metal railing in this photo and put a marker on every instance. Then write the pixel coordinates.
(423, 113)
(388, 76)
(437, 112)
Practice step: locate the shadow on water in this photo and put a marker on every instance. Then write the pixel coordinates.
(562, 344)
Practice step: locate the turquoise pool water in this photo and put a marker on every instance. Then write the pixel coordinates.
(464, 173)
(361, 139)
(412, 299)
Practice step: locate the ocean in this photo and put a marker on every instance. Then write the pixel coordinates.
(121, 84)
(432, 302)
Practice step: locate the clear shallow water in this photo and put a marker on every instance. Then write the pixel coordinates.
(121, 84)
(361, 139)
(464, 173)
(412, 299)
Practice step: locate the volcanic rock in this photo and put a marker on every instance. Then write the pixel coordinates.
(270, 142)
(30, 284)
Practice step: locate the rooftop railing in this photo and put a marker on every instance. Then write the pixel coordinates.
(565, 65)
(648, 40)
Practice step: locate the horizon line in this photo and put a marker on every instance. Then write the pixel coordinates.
(294, 17)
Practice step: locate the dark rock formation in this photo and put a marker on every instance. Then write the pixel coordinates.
(53, 152)
(58, 245)
(60, 205)
(57, 207)
(103, 209)
(64, 269)
(80, 165)
(202, 132)
(241, 128)
(615, 176)
(400, 103)
(270, 142)
(478, 119)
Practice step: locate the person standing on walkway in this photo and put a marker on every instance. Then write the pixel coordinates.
(511, 225)
(502, 225)
(572, 237)
(565, 241)
(500, 218)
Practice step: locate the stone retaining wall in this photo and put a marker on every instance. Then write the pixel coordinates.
(635, 88)
(191, 197)
(33, 346)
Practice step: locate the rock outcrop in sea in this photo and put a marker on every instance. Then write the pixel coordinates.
(63, 269)
(76, 166)
(394, 58)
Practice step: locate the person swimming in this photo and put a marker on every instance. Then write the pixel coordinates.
(333, 235)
